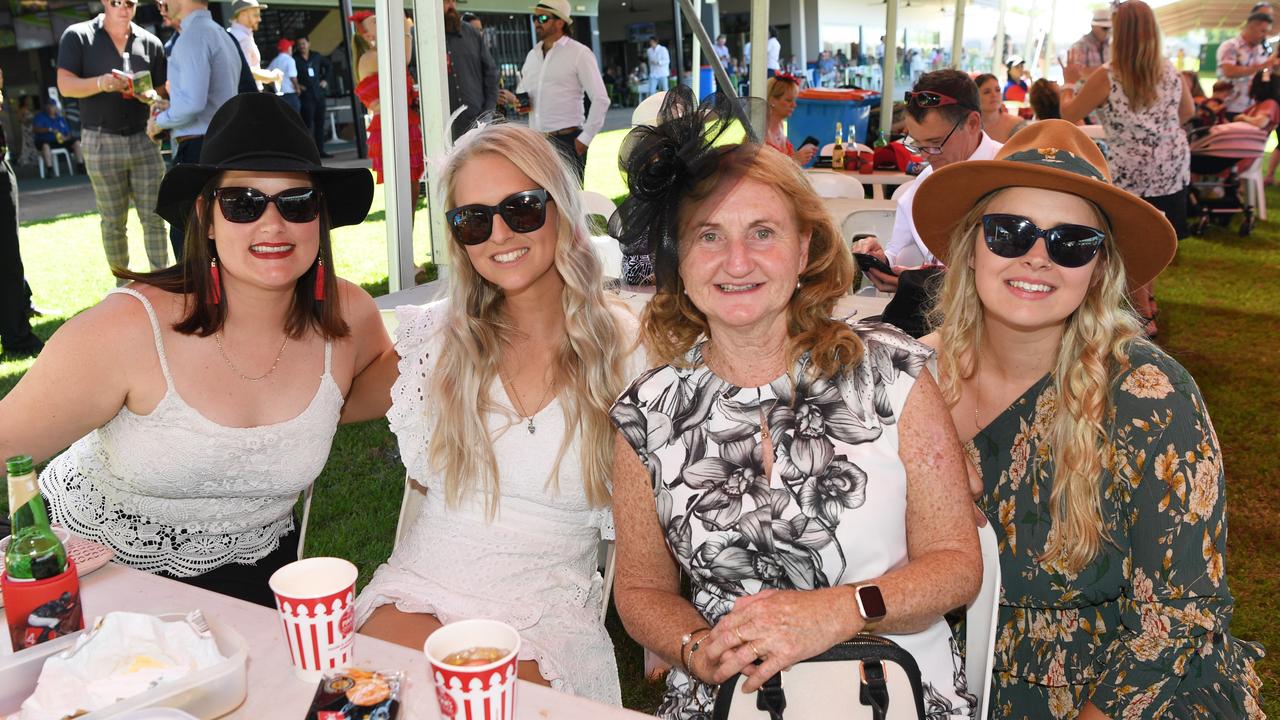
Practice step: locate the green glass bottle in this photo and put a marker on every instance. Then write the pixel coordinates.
(880, 140)
(34, 551)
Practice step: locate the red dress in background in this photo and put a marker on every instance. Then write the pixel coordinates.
(367, 91)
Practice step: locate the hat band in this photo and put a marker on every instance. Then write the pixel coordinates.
(1059, 160)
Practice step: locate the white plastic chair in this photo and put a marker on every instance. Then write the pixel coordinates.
(981, 622)
(57, 153)
(606, 247)
(646, 113)
(900, 189)
(1094, 132)
(871, 216)
(835, 185)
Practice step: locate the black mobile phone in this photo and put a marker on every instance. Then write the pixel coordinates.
(871, 262)
(811, 140)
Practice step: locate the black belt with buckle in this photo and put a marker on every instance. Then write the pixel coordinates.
(565, 131)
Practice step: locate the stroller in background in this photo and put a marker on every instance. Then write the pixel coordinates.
(1219, 154)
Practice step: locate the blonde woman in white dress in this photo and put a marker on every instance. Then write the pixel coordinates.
(499, 398)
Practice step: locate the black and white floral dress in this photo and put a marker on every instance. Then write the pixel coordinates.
(833, 511)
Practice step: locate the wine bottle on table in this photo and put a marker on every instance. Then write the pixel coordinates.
(837, 150)
(41, 590)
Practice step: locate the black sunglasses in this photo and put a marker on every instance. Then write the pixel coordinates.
(523, 212)
(1012, 236)
(122, 3)
(542, 18)
(244, 204)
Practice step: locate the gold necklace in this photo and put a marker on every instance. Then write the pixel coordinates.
(217, 338)
(977, 400)
(515, 398)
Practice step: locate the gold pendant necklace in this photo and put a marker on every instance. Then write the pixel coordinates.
(217, 338)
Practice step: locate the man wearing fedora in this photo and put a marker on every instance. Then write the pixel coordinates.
(204, 72)
(1094, 49)
(246, 16)
(122, 161)
(557, 72)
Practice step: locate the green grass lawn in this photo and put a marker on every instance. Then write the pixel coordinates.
(1220, 316)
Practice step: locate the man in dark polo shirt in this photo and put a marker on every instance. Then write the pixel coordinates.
(313, 83)
(123, 162)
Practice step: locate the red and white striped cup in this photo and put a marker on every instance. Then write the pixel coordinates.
(481, 692)
(316, 598)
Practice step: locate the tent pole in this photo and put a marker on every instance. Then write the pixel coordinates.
(392, 98)
(957, 37)
(887, 95)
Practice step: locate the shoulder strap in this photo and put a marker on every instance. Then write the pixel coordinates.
(328, 357)
(155, 331)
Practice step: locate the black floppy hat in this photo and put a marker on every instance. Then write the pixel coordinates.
(259, 131)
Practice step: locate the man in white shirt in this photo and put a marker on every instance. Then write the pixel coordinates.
(557, 72)
(246, 16)
(944, 122)
(773, 53)
(659, 66)
(722, 51)
(287, 89)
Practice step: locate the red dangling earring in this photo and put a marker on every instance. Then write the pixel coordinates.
(319, 279)
(216, 277)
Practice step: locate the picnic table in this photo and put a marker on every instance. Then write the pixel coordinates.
(273, 689)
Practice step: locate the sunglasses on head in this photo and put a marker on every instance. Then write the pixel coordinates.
(523, 212)
(245, 205)
(1012, 236)
(929, 99)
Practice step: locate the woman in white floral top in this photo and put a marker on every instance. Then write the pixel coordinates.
(1098, 461)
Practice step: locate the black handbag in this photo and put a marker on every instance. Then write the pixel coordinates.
(867, 677)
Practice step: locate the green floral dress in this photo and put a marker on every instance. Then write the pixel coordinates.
(1143, 631)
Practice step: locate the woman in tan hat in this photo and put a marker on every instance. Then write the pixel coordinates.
(1098, 461)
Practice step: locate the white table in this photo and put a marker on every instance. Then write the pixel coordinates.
(273, 690)
(877, 180)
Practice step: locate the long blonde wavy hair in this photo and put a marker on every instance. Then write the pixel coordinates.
(589, 369)
(1093, 352)
(670, 324)
(1135, 53)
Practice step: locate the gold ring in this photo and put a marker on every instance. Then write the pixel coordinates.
(740, 640)
(754, 650)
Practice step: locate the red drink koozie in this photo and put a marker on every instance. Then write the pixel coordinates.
(41, 610)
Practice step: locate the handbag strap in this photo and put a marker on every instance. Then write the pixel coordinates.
(771, 699)
(873, 690)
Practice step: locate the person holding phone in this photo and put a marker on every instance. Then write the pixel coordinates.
(783, 91)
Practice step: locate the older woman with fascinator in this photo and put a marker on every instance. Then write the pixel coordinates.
(796, 468)
(201, 399)
(1099, 463)
(499, 396)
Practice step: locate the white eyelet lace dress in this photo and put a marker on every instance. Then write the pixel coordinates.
(533, 566)
(175, 492)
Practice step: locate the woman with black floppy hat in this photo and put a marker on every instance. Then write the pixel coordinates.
(1098, 461)
(201, 399)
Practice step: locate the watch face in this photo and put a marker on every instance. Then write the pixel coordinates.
(871, 602)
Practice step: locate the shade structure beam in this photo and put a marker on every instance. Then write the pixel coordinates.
(393, 103)
(890, 69)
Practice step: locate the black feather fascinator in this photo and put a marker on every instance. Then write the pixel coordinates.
(662, 162)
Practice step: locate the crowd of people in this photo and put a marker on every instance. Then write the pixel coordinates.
(811, 479)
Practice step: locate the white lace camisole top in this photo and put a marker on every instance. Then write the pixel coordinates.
(175, 492)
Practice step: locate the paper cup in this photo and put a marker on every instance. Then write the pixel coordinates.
(316, 599)
(482, 692)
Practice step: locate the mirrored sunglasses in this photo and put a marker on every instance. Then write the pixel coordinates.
(523, 212)
(929, 99)
(245, 205)
(1012, 236)
(542, 18)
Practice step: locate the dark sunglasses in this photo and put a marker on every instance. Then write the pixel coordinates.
(929, 99)
(123, 3)
(1012, 236)
(244, 205)
(542, 18)
(523, 212)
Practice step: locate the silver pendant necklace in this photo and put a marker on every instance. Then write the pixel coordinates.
(515, 399)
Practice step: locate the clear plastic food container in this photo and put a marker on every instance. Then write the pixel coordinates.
(207, 694)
